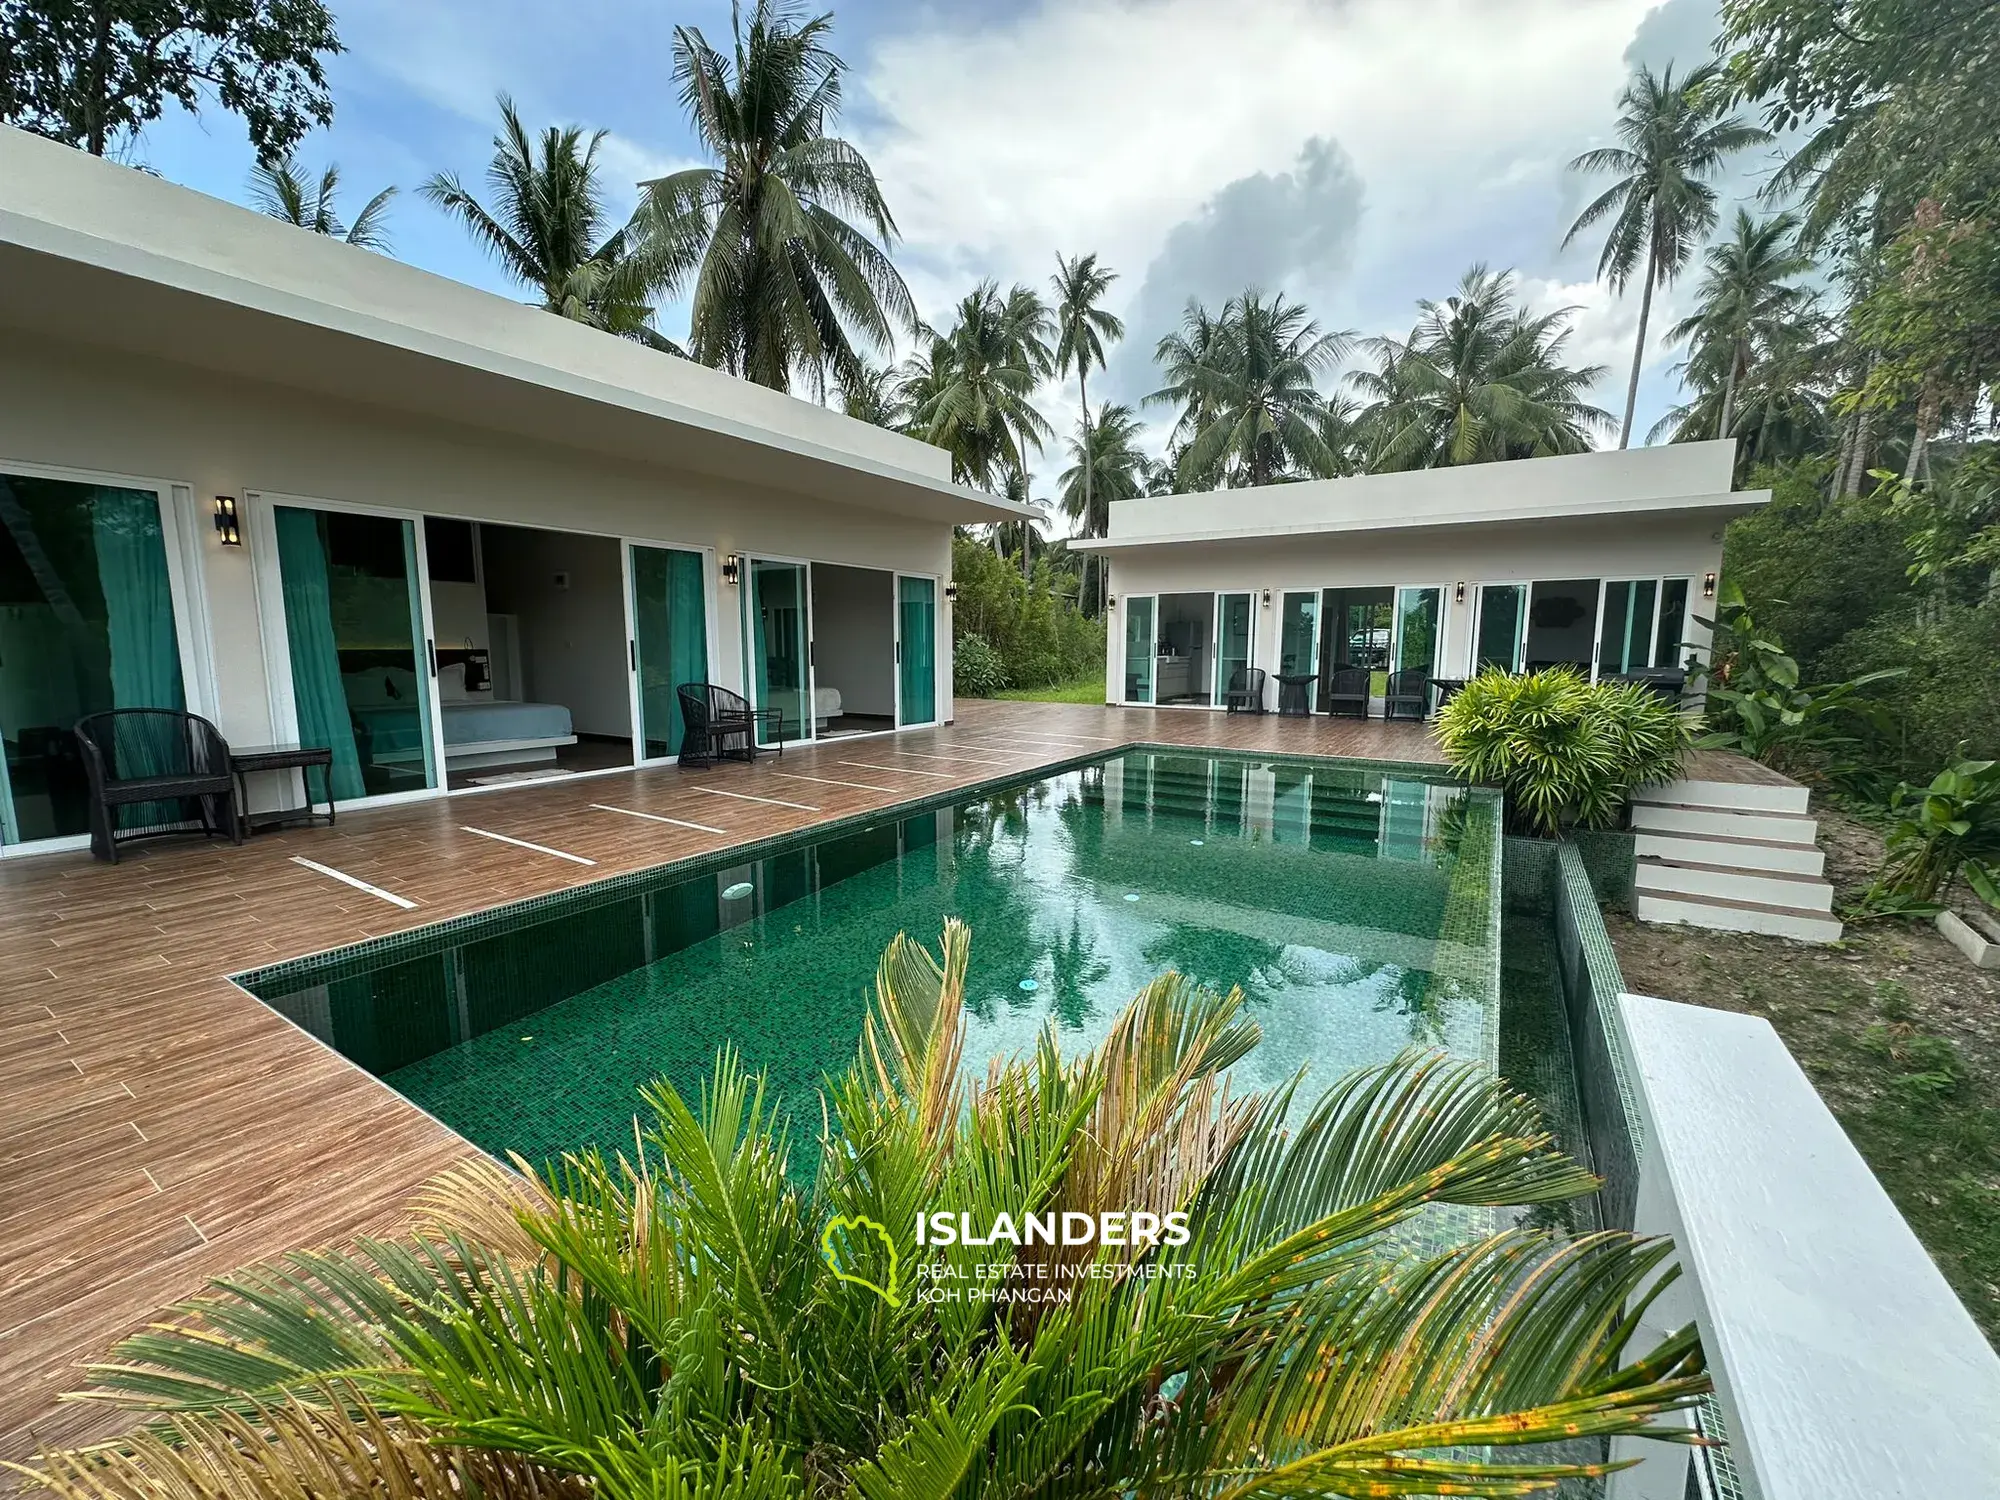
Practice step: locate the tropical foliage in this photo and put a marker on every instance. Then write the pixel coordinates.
(1674, 137)
(971, 391)
(283, 190)
(1478, 379)
(1564, 750)
(670, 1322)
(1032, 630)
(1943, 832)
(545, 222)
(784, 234)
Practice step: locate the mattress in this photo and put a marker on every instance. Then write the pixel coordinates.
(479, 723)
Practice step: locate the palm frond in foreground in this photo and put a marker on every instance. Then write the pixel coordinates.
(665, 1323)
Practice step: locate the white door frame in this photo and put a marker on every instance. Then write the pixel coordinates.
(187, 596)
(1216, 686)
(260, 521)
(746, 587)
(1396, 624)
(1125, 639)
(711, 622)
(896, 624)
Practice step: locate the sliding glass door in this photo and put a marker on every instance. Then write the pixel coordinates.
(1419, 629)
(356, 641)
(1140, 642)
(1298, 635)
(1642, 625)
(1232, 645)
(778, 601)
(669, 641)
(87, 623)
(916, 650)
(1502, 627)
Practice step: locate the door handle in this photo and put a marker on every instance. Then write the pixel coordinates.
(431, 650)
(633, 652)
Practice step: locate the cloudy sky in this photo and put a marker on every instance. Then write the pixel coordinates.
(1357, 154)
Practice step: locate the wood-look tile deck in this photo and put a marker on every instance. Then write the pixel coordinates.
(158, 1125)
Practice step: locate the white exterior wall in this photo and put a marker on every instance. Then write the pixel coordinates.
(66, 407)
(1674, 544)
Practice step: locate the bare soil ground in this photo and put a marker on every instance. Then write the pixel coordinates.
(1898, 1032)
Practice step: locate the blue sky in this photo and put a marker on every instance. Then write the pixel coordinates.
(1358, 154)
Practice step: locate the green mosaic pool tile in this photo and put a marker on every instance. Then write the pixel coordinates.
(1610, 857)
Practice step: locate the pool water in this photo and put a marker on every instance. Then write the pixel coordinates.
(1358, 908)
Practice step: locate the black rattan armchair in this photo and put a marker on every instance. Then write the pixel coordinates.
(1409, 695)
(1245, 693)
(1345, 693)
(722, 725)
(146, 757)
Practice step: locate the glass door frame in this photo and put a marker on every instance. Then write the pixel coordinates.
(896, 625)
(1652, 632)
(1217, 686)
(1124, 647)
(711, 612)
(746, 589)
(260, 520)
(187, 590)
(1396, 624)
(1478, 590)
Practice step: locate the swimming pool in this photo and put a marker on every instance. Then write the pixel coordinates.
(1357, 906)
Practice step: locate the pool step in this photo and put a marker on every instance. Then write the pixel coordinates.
(1735, 856)
(1733, 850)
(1723, 915)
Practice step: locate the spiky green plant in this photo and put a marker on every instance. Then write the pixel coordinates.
(1565, 750)
(669, 1324)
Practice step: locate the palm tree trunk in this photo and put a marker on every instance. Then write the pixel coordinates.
(1638, 349)
(1729, 394)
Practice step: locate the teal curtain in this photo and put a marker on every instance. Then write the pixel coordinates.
(919, 654)
(139, 631)
(317, 691)
(687, 634)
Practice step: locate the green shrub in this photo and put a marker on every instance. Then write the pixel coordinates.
(1943, 832)
(1039, 637)
(1946, 705)
(1564, 750)
(976, 671)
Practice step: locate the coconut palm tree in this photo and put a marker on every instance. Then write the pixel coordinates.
(1748, 286)
(1676, 137)
(284, 191)
(547, 226)
(1479, 379)
(1250, 410)
(742, 1306)
(1082, 327)
(868, 394)
(971, 391)
(1106, 465)
(786, 233)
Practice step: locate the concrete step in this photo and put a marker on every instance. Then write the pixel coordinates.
(1741, 796)
(1679, 817)
(1730, 850)
(1722, 915)
(1766, 887)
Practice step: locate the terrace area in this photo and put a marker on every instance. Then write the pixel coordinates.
(161, 1125)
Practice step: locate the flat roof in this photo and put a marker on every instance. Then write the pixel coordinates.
(101, 254)
(1681, 477)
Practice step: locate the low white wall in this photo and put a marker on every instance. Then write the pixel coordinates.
(73, 408)
(1634, 546)
(1845, 1367)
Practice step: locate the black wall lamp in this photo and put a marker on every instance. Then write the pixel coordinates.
(951, 591)
(1708, 585)
(732, 569)
(225, 521)
(1458, 594)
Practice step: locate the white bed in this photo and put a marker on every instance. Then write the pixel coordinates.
(491, 733)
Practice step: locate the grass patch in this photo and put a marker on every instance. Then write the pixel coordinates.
(1083, 690)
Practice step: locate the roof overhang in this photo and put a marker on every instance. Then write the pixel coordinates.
(1721, 507)
(166, 280)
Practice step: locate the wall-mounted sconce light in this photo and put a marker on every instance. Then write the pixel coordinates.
(732, 569)
(225, 521)
(1110, 601)
(1708, 585)
(951, 591)
(1458, 594)
(1267, 598)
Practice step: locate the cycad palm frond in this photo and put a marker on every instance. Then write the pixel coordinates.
(667, 1323)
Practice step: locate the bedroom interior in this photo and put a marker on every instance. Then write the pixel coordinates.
(532, 672)
(853, 650)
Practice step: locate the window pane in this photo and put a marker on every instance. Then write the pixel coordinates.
(1297, 624)
(1139, 650)
(1417, 612)
(86, 624)
(1670, 638)
(1501, 606)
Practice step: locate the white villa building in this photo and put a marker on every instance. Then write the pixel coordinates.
(1601, 560)
(312, 493)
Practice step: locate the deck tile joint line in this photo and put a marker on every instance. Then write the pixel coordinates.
(487, 833)
(746, 797)
(859, 786)
(633, 812)
(356, 881)
(869, 765)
